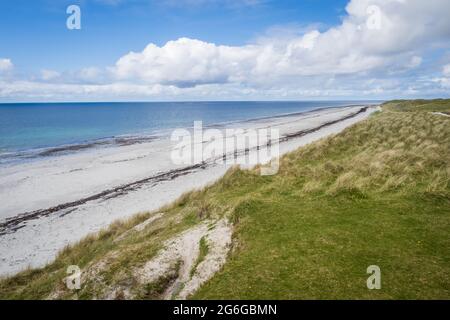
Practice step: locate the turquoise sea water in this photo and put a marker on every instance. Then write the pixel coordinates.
(36, 126)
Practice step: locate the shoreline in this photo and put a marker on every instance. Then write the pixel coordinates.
(36, 153)
(34, 237)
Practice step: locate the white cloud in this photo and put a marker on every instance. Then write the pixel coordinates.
(90, 74)
(415, 62)
(446, 70)
(352, 47)
(444, 80)
(47, 75)
(6, 65)
(186, 62)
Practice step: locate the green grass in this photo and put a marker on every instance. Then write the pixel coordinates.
(437, 105)
(203, 252)
(378, 193)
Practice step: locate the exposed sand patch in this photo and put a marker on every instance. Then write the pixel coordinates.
(219, 242)
(184, 250)
(441, 114)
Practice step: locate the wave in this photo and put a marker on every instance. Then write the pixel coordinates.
(9, 157)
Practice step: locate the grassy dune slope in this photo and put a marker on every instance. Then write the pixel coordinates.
(376, 194)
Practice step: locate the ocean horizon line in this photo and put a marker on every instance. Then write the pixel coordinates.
(188, 101)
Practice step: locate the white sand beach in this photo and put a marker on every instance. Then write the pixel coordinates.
(53, 201)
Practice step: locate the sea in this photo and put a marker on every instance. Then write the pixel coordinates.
(33, 130)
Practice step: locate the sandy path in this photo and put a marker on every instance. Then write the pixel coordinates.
(441, 114)
(184, 250)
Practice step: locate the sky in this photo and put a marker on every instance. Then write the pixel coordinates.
(159, 50)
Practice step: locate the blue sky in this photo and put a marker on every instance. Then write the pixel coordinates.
(246, 49)
(34, 32)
